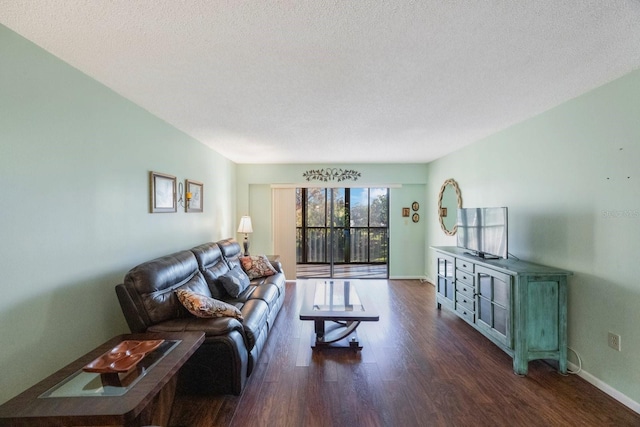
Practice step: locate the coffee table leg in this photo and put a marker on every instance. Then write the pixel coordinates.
(319, 329)
(337, 332)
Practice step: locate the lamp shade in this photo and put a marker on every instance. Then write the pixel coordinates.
(245, 225)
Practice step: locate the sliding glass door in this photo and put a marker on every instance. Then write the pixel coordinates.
(342, 232)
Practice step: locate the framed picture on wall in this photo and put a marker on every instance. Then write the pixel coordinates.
(405, 212)
(195, 196)
(163, 192)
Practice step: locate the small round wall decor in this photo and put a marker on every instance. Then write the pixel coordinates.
(415, 217)
(415, 206)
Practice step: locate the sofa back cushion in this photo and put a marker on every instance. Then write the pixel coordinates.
(212, 265)
(232, 251)
(152, 285)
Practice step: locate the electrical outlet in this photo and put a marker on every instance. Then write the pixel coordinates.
(614, 341)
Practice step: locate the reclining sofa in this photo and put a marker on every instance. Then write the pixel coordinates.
(231, 347)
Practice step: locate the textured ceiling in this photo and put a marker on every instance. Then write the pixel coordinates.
(339, 81)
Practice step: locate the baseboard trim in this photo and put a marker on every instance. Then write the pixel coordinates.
(422, 278)
(620, 397)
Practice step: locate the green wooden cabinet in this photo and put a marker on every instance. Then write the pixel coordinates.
(518, 305)
(445, 284)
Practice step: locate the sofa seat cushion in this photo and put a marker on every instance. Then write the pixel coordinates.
(278, 280)
(256, 313)
(217, 326)
(242, 298)
(207, 307)
(268, 293)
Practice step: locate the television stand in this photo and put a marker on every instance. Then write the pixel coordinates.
(519, 306)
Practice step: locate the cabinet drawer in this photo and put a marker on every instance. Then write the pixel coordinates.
(466, 302)
(465, 265)
(466, 289)
(466, 314)
(465, 277)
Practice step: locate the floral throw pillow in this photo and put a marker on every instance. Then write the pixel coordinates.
(257, 266)
(206, 307)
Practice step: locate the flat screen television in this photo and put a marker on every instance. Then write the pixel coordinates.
(483, 231)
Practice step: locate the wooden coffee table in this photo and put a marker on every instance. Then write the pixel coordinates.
(337, 307)
(72, 397)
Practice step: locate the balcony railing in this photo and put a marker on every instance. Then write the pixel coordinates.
(366, 245)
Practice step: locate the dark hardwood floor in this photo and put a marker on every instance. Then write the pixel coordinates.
(419, 367)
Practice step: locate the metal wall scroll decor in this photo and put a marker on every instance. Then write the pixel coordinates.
(331, 174)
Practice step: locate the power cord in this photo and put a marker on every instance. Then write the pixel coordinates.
(547, 362)
(579, 362)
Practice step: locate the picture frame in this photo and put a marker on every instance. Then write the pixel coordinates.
(415, 206)
(196, 202)
(405, 212)
(162, 192)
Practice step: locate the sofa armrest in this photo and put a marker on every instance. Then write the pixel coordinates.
(130, 311)
(219, 366)
(277, 265)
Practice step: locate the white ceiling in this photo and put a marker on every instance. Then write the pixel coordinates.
(340, 81)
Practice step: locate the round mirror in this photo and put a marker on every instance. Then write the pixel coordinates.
(449, 200)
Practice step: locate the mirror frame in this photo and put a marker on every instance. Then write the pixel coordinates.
(454, 184)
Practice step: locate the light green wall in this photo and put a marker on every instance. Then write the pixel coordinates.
(74, 201)
(74, 159)
(570, 180)
(406, 246)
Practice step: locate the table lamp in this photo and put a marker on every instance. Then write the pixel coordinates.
(245, 227)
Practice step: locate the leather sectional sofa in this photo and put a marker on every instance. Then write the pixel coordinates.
(231, 347)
